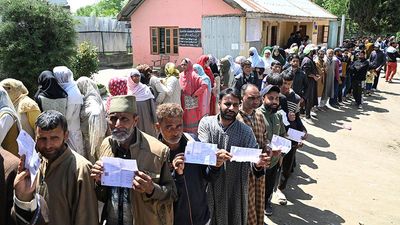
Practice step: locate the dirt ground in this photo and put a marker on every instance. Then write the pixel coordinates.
(343, 176)
(348, 176)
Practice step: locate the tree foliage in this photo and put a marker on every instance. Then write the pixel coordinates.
(86, 61)
(34, 36)
(106, 8)
(336, 7)
(376, 16)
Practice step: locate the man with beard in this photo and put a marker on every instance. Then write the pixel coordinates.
(64, 193)
(150, 199)
(274, 123)
(228, 194)
(358, 71)
(254, 119)
(309, 68)
(190, 179)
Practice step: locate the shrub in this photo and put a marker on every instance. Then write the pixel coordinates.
(86, 61)
(34, 36)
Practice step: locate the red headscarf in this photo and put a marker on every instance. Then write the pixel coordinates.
(202, 61)
(116, 86)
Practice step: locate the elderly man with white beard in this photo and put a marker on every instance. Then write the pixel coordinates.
(150, 200)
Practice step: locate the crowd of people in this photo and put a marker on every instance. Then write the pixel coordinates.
(240, 102)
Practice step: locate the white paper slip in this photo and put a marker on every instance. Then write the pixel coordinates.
(118, 172)
(240, 154)
(26, 146)
(201, 153)
(295, 135)
(280, 143)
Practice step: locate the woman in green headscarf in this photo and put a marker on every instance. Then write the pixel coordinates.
(172, 93)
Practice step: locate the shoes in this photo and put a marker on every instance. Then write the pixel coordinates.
(359, 106)
(308, 117)
(281, 197)
(390, 81)
(268, 209)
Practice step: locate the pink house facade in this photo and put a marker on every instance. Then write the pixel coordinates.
(177, 29)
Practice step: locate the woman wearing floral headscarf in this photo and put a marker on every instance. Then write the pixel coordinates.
(145, 103)
(193, 89)
(27, 109)
(9, 123)
(172, 88)
(116, 86)
(65, 78)
(93, 117)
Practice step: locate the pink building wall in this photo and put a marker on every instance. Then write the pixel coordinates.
(164, 13)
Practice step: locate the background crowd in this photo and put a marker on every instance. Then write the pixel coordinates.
(240, 101)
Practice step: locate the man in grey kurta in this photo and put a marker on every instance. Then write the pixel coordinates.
(228, 195)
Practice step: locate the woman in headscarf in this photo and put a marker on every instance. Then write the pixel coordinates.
(145, 103)
(235, 67)
(152, 81)
(172, 87)
(93, 117)
(27, 109)
(226, 72)
(116, 86)
(217, 79)
(254, 57)
(50, 95)
(205, 62)
(193, 89)
(204, 105)
(276, 55)
(9, 123)
(65, 78)
(267, 58)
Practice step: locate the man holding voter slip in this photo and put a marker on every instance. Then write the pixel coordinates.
(53, 187)
(250, 116)
(133, 176)
(191, 179)
(228, 194)
(275, 131)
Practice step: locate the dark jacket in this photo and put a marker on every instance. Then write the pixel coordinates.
(191, 207)
(8, 171)
(377, 59)
(392, 57)
(300, 81)
(241, 80)
(359, 69)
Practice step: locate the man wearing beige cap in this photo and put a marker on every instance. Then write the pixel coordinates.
(150, 200)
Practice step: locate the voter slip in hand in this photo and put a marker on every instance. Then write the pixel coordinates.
(280, 143)
(295, 135)
(201, 153)
(240, 154)
(26, 146)
(118, 172)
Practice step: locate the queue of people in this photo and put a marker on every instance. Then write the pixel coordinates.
(242, 102)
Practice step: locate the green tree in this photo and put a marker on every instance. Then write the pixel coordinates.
(376, 16)
(106, 8)
(86, 61)
(336, 7)
(34, 36)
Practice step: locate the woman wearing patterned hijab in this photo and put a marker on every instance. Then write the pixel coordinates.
(116, 86)
(27, 109)
(9, 123)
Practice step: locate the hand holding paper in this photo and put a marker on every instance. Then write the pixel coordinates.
(296, 135)
(201, 153)
(26, 146)
(280, 143)
(118, 172)
(240, 154)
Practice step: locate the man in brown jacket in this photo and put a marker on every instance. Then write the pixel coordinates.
(150, 200)
(64, 193)
(8, 170)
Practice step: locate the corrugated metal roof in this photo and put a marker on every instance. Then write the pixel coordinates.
(59, 2)
(293, 8)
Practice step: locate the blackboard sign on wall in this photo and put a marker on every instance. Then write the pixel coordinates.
(190, 37)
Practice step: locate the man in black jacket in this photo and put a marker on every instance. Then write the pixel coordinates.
(247, 76)
(378, 61)
(358, 71)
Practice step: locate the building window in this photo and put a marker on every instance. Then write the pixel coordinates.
(323, 34)
(164, 40)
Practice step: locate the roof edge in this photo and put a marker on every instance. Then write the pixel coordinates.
(127, 11)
